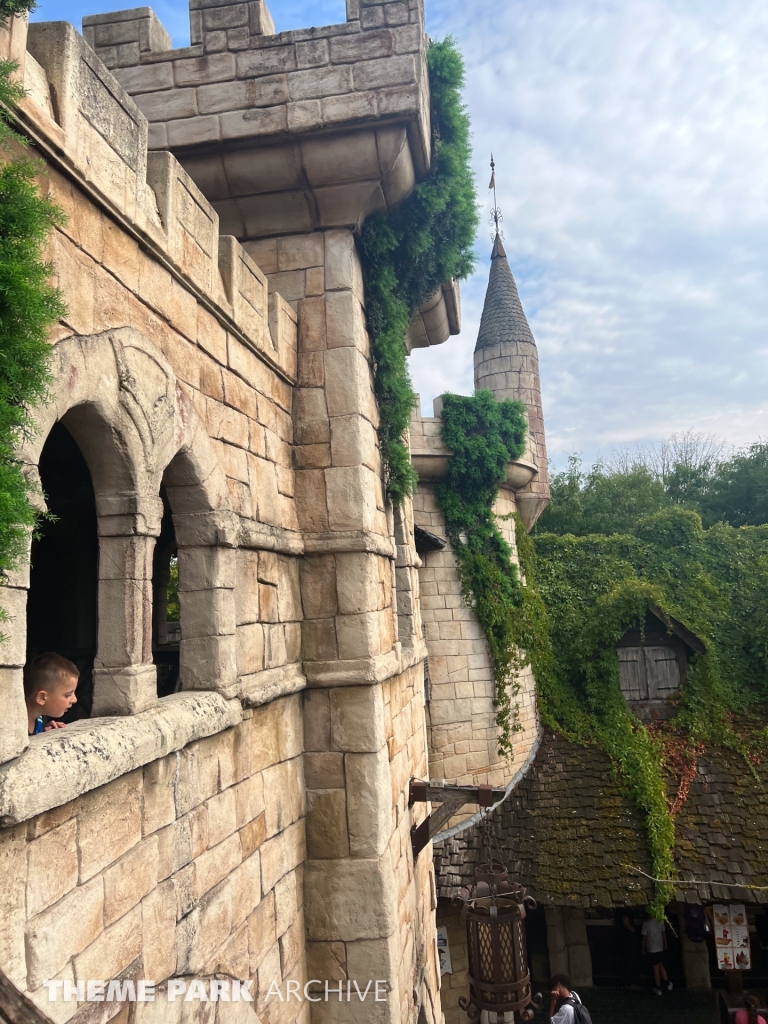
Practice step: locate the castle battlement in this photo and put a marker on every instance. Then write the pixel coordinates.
(77, 111)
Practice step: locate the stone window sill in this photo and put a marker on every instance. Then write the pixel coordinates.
(60, 765)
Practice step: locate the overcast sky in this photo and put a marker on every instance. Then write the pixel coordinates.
(631, 145)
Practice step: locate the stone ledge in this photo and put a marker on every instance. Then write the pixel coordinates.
(348, 541)
(355, 672)
(263, 687)
(65, 763)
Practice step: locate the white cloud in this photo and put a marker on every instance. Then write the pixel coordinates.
(631, 140)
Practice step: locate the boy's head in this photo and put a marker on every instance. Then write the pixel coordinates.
(50, 682)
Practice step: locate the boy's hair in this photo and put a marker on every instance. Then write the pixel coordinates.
(46, 672)
(561, 979)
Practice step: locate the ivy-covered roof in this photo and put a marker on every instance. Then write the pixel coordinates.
(503, 318)
(570, 835)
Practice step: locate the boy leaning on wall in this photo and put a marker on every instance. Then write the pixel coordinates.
(50, 682)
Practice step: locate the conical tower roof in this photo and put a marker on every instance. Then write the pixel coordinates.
(503, 318)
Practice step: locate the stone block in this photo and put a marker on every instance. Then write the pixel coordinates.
(249, 799)
(317, 720)
(158, 924)
(109, 823)
(357, 719)
(261, 931)
(203, 932)
(44, 884)
(209, 663)
(13, 727)
(116, 948)
(350, 899)
(283, 794)
(359, 636)
(127, 882)
(13, 871)
(216, 863)
(290, 729)
(250, 648)
(159, 808)
(292, 945)
(203, 70)
(351, 498)
(353, 442)
(245, 885)
(327, 824)
(253, 835)
(222, 819)
(369, 814)
(198, 774)
(317, 82)
(125, 690)
(288, 900)
(324, 771)
(282, 854)
(327, 960)
(64, 930)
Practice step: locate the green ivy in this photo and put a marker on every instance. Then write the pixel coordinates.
(409, 252)
(28, 306)
(484, 435)
(589, 590)
(8, 8)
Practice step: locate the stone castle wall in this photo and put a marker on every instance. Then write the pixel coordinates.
(461, 714)
(256, 822)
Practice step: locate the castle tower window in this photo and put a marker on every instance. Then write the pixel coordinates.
(62, 607)
(653, 663)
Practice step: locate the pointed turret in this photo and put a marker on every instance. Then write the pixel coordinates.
(507, 363)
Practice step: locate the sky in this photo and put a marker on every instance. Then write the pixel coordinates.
(631, 147)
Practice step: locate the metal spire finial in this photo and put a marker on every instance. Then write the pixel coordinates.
(496, 215)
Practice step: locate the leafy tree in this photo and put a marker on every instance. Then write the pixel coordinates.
(737, 491)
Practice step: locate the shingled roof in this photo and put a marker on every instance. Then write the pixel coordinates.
(503, 318)
(569, 834)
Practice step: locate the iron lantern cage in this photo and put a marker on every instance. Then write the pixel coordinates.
(499, 979)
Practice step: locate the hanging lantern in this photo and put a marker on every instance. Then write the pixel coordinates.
(494, 911)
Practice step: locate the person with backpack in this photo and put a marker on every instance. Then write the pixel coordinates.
(565, 1007)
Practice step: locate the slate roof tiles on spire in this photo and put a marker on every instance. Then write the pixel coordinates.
(503, 318)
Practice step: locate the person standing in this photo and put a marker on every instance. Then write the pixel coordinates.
(655, 946)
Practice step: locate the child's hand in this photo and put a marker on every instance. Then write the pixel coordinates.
(55, 725)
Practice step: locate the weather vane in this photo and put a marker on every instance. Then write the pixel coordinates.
(496, 215)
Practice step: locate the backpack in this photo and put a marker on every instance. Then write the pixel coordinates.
(581, 1014)
(695, 921)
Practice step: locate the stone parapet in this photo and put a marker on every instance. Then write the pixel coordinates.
(101, 138)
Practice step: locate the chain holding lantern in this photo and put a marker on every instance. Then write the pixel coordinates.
(494, 911)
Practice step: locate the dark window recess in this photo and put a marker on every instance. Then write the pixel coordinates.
(62, 608)
(166, 632)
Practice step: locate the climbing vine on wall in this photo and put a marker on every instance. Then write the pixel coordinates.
(590, 590)
(409, 252)
(484, 435)
(28, 306)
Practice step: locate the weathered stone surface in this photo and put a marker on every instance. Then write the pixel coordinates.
(349, 899)
(128, 881)
(13, 857)
(110, 824)
(63, 931)
(51, 773)
(51, 867)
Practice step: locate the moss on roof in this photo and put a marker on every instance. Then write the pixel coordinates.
(570, 835)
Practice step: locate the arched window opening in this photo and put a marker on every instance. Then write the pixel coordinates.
(62, 607)
(166, 631)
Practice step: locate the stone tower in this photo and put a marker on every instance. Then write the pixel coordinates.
(507, 363)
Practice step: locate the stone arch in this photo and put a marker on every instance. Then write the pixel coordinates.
(122, 403)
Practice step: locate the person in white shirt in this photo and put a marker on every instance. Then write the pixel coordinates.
(560, 1007)
(654, 946)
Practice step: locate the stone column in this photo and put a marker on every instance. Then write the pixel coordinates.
(695, 959)
(569, 951)
(124, 678)
(13, 721)
(207, 658)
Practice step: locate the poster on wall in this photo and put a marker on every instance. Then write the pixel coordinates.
(443, 951)
(732, 937)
